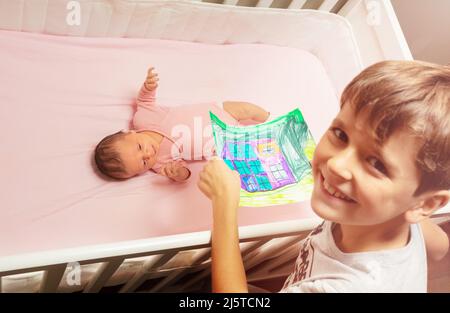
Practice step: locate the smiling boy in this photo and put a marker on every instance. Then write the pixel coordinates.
(380, 171)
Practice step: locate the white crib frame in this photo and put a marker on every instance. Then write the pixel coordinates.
(384, 40)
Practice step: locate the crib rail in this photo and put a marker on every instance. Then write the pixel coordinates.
(373, 24)
(259, 244)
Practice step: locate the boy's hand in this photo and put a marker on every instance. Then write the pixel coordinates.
(176, 170)
(219, 183)
(151, 82)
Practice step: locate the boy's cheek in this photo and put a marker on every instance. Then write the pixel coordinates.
(319, 154)
(315, 167)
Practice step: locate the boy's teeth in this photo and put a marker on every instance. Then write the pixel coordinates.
(334, 192)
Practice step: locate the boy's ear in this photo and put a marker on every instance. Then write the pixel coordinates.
(429, 204)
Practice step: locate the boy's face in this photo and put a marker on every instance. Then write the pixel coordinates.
(138, 152)
(356, 180)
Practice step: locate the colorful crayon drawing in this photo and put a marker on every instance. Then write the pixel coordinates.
(261, 164)
(273, 159)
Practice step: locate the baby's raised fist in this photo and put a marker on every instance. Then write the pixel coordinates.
(151, 82)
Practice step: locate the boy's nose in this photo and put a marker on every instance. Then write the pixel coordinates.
(340, 165)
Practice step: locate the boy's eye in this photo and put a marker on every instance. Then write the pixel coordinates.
(140, 147)
(378, 165)
(340, 134)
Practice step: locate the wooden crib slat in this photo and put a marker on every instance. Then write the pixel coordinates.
(177, 274)
(338, 6)
(245, 252)
(327, 5)
(296, 4)
(139, 277)
(171, 278)
(312, 4)
(272, 268)
(253, 247)
(291, 254)
(280, 4)
(349, 7)
(106, 270)
(260, 257)
(230, 2)
(52, 278)
(264, 3)
(197, 278)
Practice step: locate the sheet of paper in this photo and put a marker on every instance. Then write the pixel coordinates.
(273, 159)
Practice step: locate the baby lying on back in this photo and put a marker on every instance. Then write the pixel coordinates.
(164, 138)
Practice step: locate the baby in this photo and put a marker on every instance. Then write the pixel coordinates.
(162, 139)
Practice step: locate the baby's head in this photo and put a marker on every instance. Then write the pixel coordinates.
(126, 154)
(386, 156)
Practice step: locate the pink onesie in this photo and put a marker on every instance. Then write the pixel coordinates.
(186, 129)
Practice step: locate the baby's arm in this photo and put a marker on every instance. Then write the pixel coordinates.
(146, 95)
(436, 240)
(176, 170)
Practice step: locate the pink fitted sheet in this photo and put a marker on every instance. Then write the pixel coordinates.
(60, 95)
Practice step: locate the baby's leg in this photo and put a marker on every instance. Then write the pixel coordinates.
(246, 111)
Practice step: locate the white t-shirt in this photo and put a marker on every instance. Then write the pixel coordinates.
(322, 267)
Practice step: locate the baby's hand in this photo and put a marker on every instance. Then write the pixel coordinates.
(151, 82)
(176, 170)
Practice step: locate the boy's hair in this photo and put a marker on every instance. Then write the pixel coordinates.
(412, 96)
(108, 159)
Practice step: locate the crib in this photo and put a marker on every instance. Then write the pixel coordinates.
(367, 32)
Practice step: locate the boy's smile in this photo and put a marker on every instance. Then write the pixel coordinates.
(359, 180)
(333, 192)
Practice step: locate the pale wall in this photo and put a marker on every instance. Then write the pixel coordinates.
(426, 25)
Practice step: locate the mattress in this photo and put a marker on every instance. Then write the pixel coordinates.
(60, 95)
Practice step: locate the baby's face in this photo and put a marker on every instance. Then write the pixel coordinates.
(356, 180)
(138, 152)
